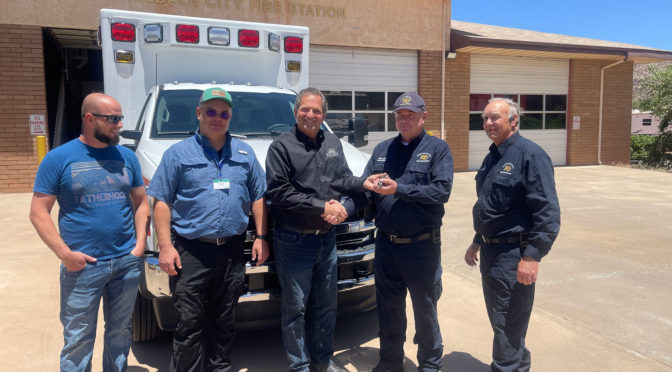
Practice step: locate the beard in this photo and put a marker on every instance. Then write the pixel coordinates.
(104, 138)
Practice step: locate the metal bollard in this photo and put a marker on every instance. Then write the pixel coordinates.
(41, 148)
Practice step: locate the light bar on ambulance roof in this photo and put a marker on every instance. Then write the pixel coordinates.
(219, 36)
(187, 34)
(123, 32)
(274, 42)
(248, 38)
(153, 33)
(293, 44)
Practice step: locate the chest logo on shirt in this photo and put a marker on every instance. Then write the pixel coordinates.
(423, 157)
(380, 160)
(331, 153)
(507, 168)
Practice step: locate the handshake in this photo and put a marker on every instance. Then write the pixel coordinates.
(334, 212)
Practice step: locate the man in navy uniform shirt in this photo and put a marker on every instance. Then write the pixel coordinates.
(516, 218)
(205, 187)
(412, 176)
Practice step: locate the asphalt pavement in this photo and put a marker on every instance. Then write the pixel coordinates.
(603, 300)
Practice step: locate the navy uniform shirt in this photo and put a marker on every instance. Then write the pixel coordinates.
(423, 170)
(516, 193)
(303, 175)
(185, 181)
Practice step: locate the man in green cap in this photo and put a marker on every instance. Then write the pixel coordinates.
(205, 187)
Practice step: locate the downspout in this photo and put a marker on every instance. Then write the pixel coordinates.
(443, 70)
(599, 133)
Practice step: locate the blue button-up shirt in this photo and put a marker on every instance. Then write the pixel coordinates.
(516, 193)
(185, 181)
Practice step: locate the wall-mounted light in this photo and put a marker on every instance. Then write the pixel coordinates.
(451, 55)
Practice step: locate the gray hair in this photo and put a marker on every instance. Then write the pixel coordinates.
(310, 91)
(514, 108)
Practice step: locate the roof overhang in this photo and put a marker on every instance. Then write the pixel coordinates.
(466, 42)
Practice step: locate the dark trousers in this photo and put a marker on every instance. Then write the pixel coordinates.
(205, 293)
(415, 267)
(509, 305)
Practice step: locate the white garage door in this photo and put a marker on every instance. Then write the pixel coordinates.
(363, 82)
(540, 85)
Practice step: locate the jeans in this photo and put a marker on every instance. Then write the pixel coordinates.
(205, 294)
(116, 282)
(415, 267)
(509, 306)
(307, 269)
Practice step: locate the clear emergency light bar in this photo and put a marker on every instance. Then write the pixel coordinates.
(153, 33)
(190, 34)
(219, 36)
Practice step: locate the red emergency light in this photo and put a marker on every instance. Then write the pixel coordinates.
(248, 38)
(293, 44)
(187, 34)
(123, 32)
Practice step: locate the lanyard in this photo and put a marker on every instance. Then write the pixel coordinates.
(220, 164)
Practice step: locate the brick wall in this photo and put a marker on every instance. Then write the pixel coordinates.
(584, 101)
(456, 101)
(22, 92)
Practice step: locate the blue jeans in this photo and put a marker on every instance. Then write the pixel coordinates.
(116, 282)
(307, 269)
(415, 268)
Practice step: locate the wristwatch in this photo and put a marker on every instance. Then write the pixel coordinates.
(262, 237)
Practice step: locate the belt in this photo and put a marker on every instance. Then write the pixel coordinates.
(520, 238)
(306, 231)
(215, 241)
(434, 233)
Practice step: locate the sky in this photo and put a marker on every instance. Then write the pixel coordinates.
(645, 23)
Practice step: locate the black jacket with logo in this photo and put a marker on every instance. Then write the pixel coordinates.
(516, 193)
(302, 176)
(423, 170)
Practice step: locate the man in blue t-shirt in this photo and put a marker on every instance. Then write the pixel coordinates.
(102, 221)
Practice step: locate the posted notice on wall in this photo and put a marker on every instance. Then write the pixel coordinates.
(38, 127)
(576, 122)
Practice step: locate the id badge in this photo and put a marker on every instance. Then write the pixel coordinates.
(221, 184)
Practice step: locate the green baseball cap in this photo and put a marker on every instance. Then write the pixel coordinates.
(216, 93)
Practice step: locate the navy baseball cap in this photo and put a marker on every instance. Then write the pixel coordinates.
(410, 101)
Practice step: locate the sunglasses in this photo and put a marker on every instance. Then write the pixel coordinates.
(225, 115)
(112, 119)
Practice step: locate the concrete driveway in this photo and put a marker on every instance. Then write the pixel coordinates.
(604, 296)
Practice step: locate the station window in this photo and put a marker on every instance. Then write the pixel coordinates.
(377, 108)
(646, 122)
(539, 111)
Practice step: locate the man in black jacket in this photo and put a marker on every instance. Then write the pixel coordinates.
(307, 173)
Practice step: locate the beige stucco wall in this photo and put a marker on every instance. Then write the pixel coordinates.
(399, 24)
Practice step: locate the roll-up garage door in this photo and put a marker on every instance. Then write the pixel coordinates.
(541, 84)
(363, 69)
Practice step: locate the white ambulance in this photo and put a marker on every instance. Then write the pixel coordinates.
(157, 66)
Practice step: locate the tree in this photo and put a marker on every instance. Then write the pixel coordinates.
(656, 90)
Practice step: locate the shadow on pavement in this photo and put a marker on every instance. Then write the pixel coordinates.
(262, 350)
(459, 362)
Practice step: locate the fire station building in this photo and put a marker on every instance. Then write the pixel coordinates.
(576, 93)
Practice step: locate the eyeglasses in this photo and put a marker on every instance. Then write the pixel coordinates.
(112, 119)
(225, 115)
